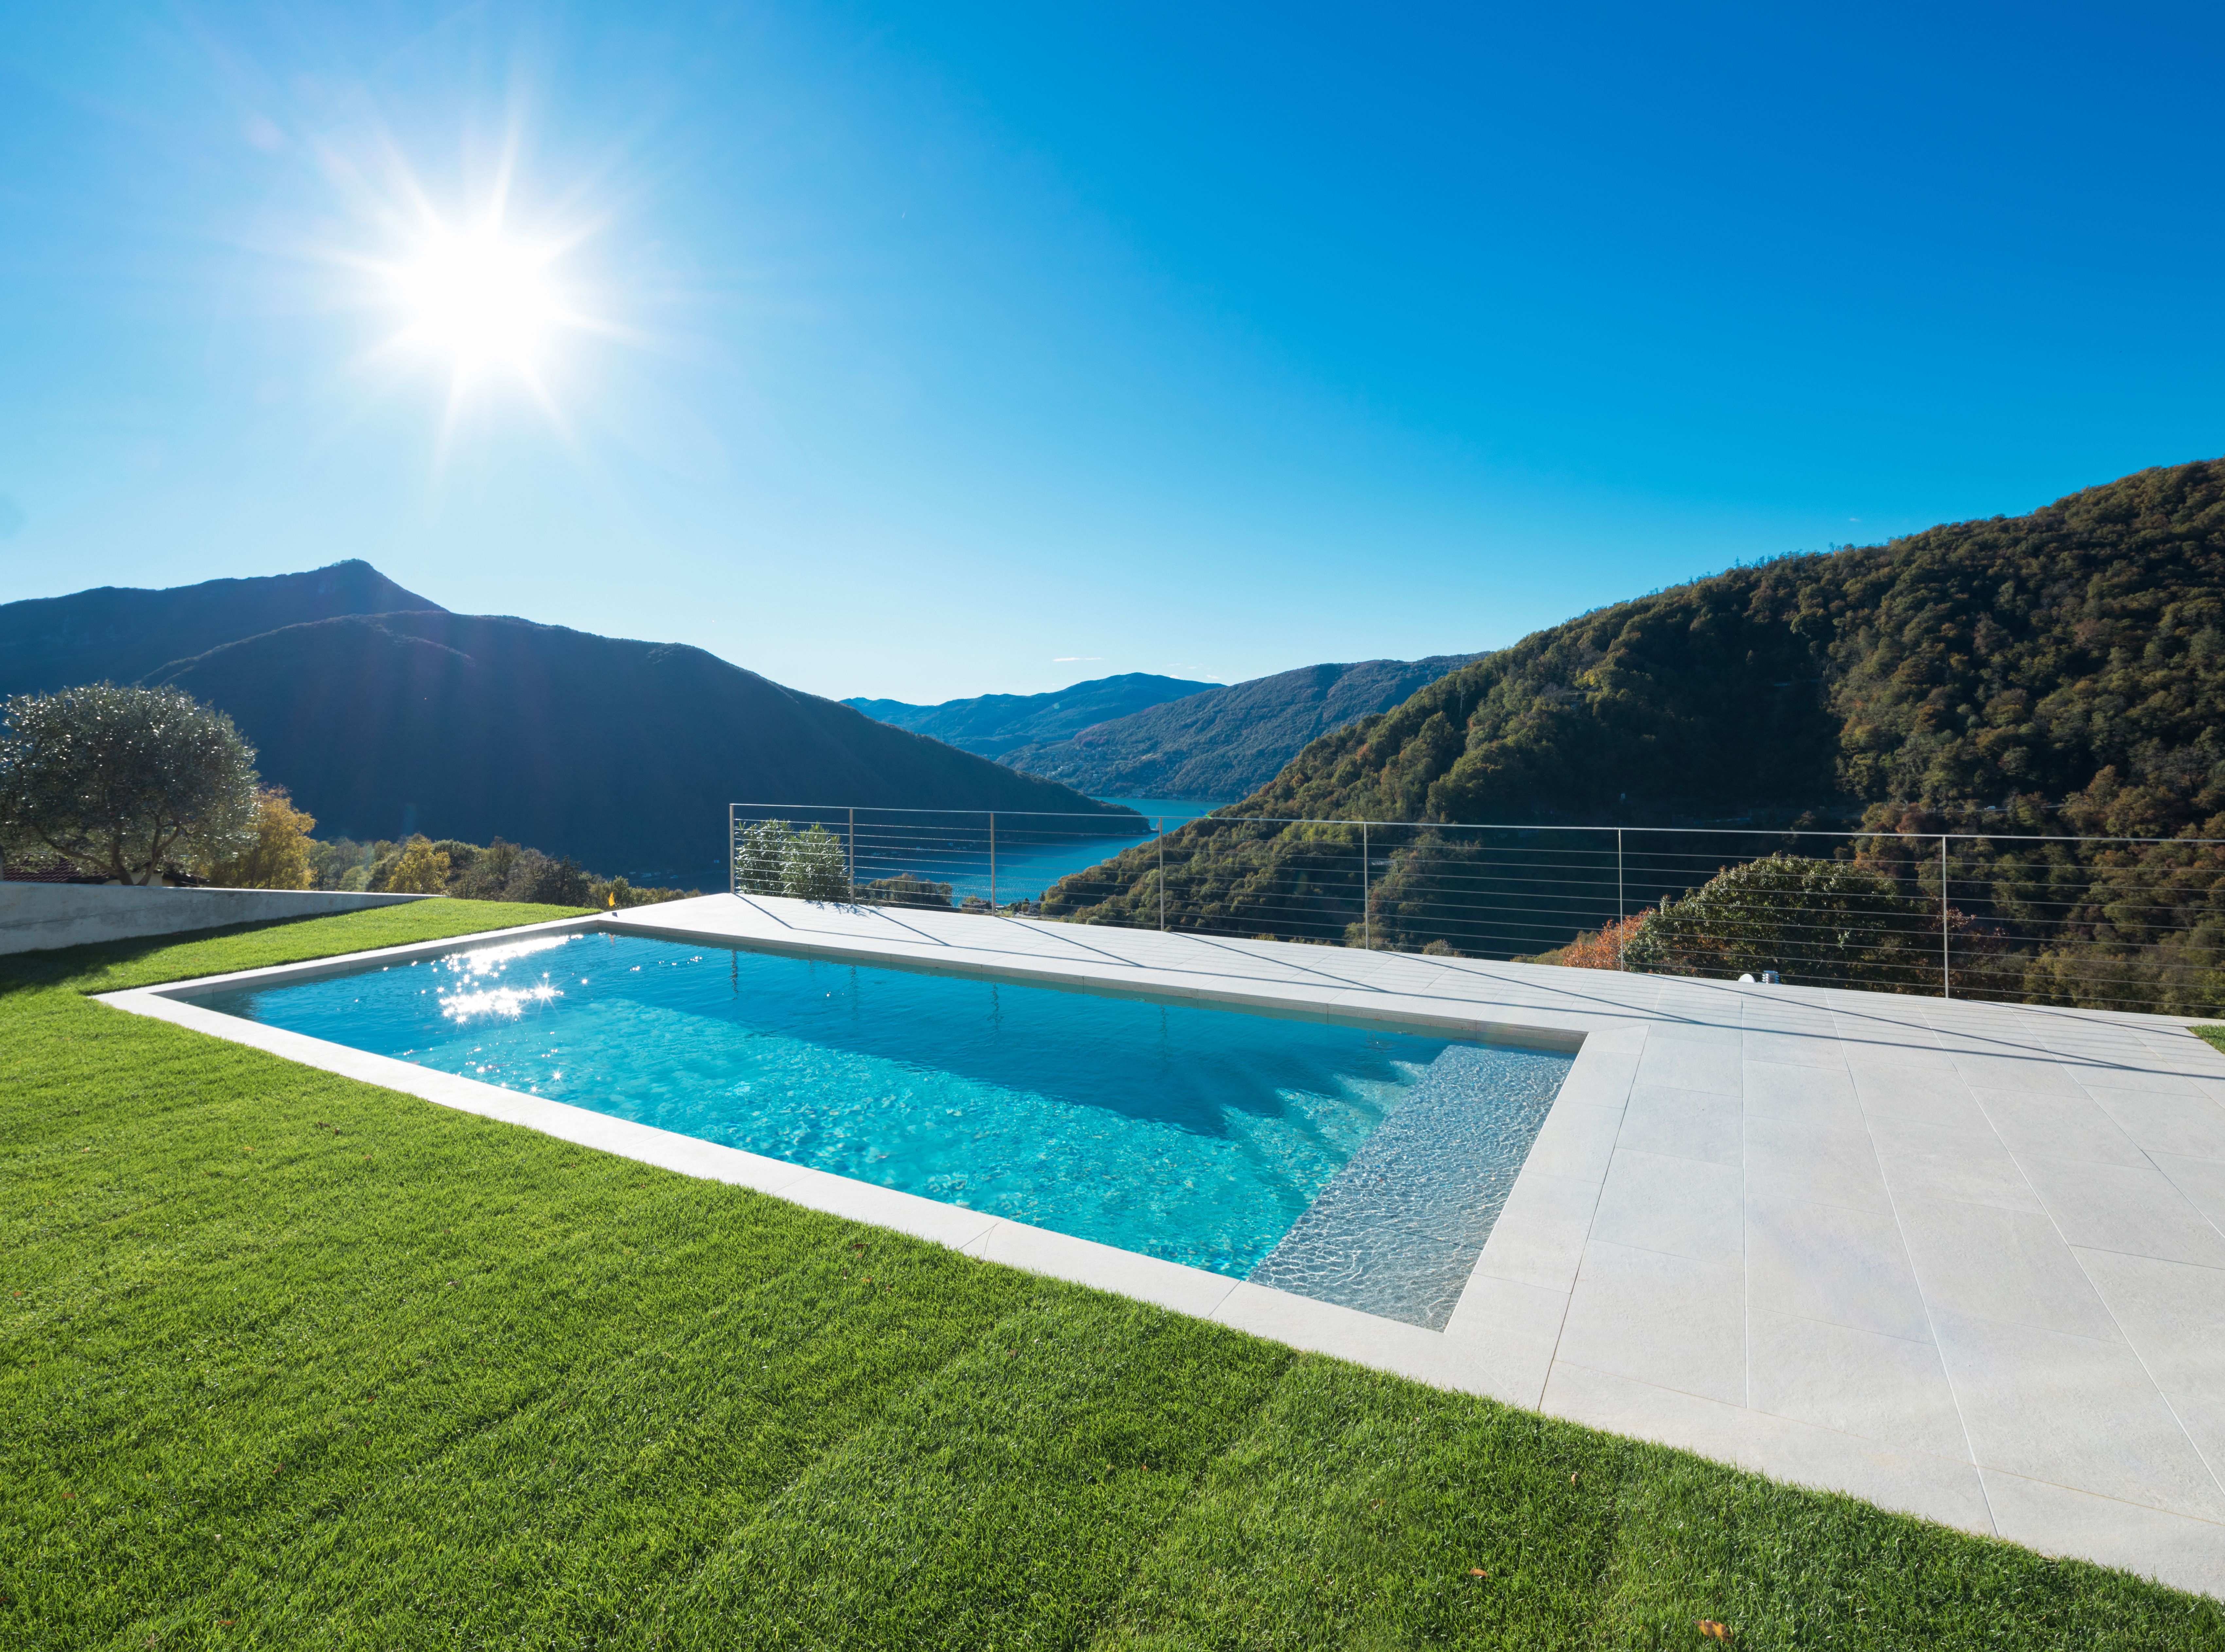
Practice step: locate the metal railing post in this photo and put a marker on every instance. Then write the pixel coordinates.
(993, 860)
(1366, 908)
(854, 857)
(1621, 906)
(1946, 973)
(1159, 824)
(733, 869)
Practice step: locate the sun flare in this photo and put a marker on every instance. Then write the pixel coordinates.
(478, 300)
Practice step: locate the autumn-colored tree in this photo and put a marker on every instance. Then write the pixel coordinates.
(276, 853)
(1603, 948)
(422, 869)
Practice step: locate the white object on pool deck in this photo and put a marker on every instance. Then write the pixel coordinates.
(1960, 1259)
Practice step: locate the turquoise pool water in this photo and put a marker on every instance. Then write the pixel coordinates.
(1194, 1133)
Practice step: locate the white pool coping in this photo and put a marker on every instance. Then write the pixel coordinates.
(1964, 1261)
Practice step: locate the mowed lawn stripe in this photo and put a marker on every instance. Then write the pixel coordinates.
(563, 1521)
(298, 1362)
(1359, 1510)
(1003, 1504)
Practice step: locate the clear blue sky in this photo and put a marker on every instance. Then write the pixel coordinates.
(925, 351)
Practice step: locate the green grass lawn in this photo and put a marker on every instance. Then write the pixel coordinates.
(290, 1361)
(2213, 1036)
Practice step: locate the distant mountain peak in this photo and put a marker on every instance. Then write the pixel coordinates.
(1224, 741)
(121, 633)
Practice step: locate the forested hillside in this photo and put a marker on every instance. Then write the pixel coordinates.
(1224, 742)
(2057, 673)
(1969, 665)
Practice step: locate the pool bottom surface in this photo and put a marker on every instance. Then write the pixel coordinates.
(1178, 1130)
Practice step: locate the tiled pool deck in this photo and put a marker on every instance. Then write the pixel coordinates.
(1963, 1260)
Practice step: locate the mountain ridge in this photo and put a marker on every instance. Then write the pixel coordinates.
(120, 633)
(620, 752)
(1224, 741)
(990, 725)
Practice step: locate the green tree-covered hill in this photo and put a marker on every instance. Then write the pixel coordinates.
(2052, 674)
(2076, 655)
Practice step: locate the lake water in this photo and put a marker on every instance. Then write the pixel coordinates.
(1033, 853)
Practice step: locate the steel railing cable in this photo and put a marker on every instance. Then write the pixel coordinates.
(2107, 921)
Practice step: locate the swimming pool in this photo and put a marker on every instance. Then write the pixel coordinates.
(1248, 1144)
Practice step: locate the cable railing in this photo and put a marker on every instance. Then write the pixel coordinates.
(2092, 922)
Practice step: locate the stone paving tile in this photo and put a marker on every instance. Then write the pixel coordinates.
(2190, 1124)
(2074, 1412)
(2060, 1519)
(2130, 1208)
(1802, 1096)
(1685, 1206)
(1794, 1049)
(2017, 1075)
(2174, 1316)
(1981, 1261)
(2064, 1125)
(1684, 1064)
(1684, 1123)
(1827, 1262)
(1883, 1388)
(1788, 1160)
(1927, 1162)
(2201, 1181)
(1670, 1321)
(1919, 1095)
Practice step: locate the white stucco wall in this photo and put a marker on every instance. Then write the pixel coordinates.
(35, 917)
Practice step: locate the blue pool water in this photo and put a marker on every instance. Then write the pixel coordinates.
(1194, 1133)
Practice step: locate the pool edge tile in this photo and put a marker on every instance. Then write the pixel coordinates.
(1191, 1290)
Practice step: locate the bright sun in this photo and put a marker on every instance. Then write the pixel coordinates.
(478, 300)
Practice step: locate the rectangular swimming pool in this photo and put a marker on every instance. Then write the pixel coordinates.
(1355, 1164)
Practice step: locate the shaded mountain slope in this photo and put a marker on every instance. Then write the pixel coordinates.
(1225, 741)
(120, 634)
(622, 754)
(992, 724)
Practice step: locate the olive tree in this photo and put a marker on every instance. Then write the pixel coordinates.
(772, 858)
(814, 868)
(124, 779)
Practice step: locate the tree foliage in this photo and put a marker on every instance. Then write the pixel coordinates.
(907, 889)
(422, 869)
(276, 852)
(772, 858)
(128, 780)
(498, 871)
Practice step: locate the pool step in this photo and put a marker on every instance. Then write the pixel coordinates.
(1398, 1230)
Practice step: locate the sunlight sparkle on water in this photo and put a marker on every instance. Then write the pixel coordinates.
(508, 1002)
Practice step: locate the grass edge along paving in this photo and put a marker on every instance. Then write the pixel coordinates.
(289, 1360)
